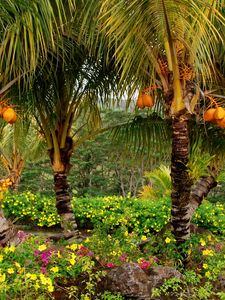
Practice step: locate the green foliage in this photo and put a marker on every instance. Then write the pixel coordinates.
(37, 209)
(109, 296)
(113, 211)
(38, 267)
(211, 216)
(139, 216)
(159, 183)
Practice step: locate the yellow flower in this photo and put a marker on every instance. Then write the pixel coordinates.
(17, 265)
(72, 247)
(205, 266)
(144, 238)
(1, 258)
(87, 240)
(209, 237)
(31, 276)
(202, 242)
(86, 297)
(73, 259)
(114, 253)
(10, 270)
(167, 240)
(59, 254)
(10, 249)
(2, 278)
(54, 269)
(42, 247)
(207, 252)
(45, 280)
(207, 274)
(50, 288)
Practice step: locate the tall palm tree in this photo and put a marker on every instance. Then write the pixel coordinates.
(170, 45)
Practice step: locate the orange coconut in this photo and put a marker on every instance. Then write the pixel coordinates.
(219, 113)
(221, 123)
(148, 100)
(9, 115)
(140, 103)
(209, 115)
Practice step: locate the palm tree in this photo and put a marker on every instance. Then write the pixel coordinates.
(169, 46)
(29, 32)
(18, 144)
(64, 99)
(63, 83)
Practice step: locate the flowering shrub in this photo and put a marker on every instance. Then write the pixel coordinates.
(32, 208)
(39, 267)
(140, 216)
(113, 211)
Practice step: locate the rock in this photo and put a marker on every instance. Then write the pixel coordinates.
(159, 274)
(220, 283)
(132, 282)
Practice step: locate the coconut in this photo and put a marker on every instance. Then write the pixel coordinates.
(9, 115)
(209, 115)
(148, 100)
(219, 113)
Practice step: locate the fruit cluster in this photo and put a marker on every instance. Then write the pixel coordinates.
(8, 113)
(215, 115)
(4, 184)
(145, 100)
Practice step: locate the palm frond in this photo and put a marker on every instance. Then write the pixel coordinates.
(28, 31)
(145, 135)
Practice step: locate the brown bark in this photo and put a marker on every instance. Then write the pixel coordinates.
(181, 182)
(62, 190)
(201, 190)
(8, 232)
(63, 203)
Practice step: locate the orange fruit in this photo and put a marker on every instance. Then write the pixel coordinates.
(219, 113)
(140, 103)
(209, 115)
(148, 100)
(221, 123)
(9, 115)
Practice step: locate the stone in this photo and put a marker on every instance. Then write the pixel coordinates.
(159, 274)
(130, 281)
(134, 283)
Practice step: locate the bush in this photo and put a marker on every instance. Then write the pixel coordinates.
(138, 215)
(31, 208)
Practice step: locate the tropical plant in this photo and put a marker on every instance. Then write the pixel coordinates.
(19, 144)
(30, 34)
(159, 183)
(169, 46)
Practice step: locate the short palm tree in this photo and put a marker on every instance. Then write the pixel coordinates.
(19, 144)
(65, 99)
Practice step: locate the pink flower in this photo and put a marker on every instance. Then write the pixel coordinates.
(84, 251)
(144, 264)
(22, 235)
(110, 265)
(123, 257)
(43, 270)
(218, 247)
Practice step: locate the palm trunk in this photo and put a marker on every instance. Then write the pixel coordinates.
(181, 182)
(8, 232)
(63, 203)
(62, 190)
(201, 190)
